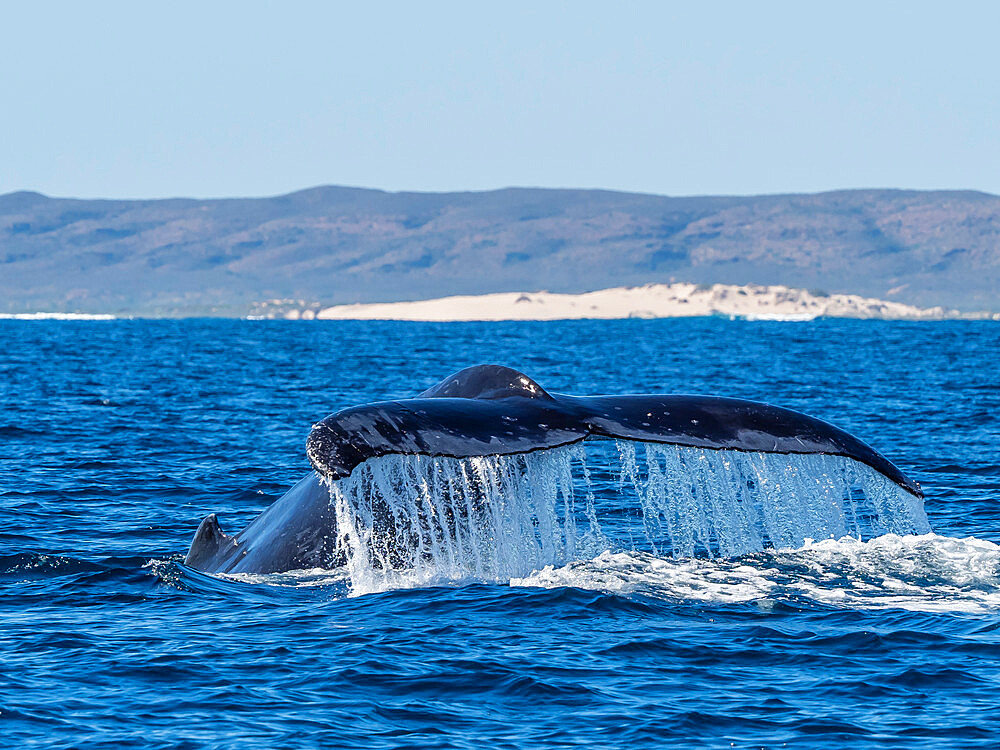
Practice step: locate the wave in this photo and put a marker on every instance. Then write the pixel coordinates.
(921, 573)
(776, 317)
(28, 565)
(925, 573)
(311, 584)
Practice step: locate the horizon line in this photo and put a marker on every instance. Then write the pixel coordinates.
(509, 188)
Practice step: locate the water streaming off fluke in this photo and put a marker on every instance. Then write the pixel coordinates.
(411, 520)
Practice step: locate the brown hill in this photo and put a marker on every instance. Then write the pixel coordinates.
(336, 245)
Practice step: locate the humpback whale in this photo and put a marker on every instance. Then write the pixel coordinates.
(495, 411)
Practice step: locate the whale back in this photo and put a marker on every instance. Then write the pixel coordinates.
(296, 532)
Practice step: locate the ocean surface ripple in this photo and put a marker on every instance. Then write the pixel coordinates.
(117, 437)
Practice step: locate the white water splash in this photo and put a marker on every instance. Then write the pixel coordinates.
(407, 521)
(925, 573)
(732, 503)
(415, 520)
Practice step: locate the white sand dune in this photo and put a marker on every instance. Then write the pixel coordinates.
(651, 301)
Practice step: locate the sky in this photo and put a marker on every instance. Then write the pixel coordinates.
(212, 99)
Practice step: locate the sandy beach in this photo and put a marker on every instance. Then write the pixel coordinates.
(750, 301)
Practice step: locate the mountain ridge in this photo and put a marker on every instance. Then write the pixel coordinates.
(334, 245)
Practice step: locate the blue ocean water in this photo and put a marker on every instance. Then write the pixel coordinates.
(117, 437)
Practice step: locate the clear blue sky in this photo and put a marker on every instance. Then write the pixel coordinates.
(140, 99)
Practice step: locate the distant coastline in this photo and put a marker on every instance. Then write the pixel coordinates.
(216, 258)
(678, 300)
(750, 302)
(57, 316)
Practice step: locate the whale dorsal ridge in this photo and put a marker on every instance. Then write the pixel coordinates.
(208, 541)
(487, 382)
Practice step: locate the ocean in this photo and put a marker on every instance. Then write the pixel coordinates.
(118, 436)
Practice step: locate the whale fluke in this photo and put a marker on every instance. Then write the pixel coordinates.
(490, 410)
(487, 455)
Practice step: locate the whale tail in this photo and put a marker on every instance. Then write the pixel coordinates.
(477, 471)
(491, 410)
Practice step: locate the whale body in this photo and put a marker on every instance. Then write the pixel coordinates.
(491, 410)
